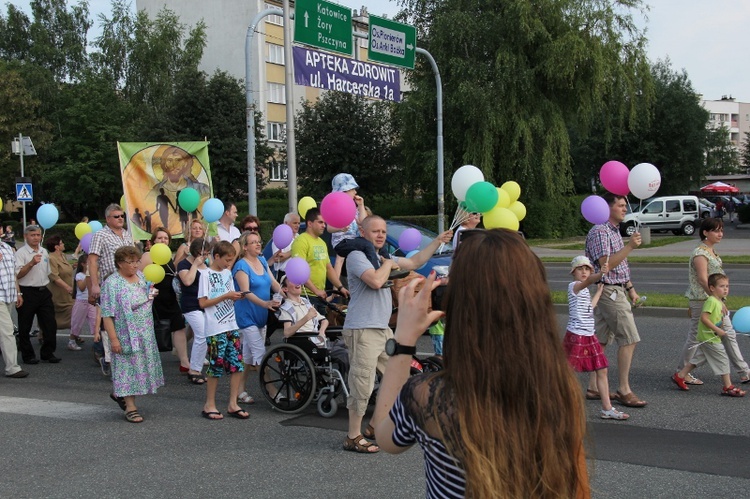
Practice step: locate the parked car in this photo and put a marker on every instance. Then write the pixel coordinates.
(676, 213)
(707, 208)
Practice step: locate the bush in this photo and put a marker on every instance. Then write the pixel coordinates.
(551, 220)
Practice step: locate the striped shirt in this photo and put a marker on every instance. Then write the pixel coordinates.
(445, 475)
(8, 293)
(580, 313)
(605, 240)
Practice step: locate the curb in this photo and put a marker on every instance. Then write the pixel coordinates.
(659, 312)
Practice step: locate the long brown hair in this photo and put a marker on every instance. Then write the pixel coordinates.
(519, 419)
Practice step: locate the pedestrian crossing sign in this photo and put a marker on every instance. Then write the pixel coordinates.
(24, 192)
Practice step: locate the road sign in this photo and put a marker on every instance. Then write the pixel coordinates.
(324, 25)
(24, 192)
(391, 42)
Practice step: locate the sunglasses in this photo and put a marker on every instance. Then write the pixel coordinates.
(251, 228)
(122, 215)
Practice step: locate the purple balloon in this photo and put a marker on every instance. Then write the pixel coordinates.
(595, 209)
(86, 242)
(297, 270)
(282, 236)
(409, 240)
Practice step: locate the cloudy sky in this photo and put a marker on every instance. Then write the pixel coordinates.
(707, 38)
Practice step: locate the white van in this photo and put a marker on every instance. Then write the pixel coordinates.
(676, 213)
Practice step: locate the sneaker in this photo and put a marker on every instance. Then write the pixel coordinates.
(72, 345)
(614, 414)
(105, 367)
(680, 382)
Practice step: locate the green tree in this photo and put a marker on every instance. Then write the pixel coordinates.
(745, 152)
(344, 133)
(721, 156)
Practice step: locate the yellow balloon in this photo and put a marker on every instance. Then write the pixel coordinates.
(513, 190)
(305, 204)
(1, 204)
(518, 209)
(82, 229)
(500, 218)
(160, 253)
(503, 198)
(154, 273)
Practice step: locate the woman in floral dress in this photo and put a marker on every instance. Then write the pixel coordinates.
(126, 301)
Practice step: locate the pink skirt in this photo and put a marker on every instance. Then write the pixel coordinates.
(584, 353)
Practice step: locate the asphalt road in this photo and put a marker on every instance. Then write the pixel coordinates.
(63, 437)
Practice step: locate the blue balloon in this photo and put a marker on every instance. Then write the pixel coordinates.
(47, 215)
(414, 252)
(741, 320)
(95, 225)
(213, 209)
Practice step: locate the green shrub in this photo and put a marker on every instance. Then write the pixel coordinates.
(551, 220)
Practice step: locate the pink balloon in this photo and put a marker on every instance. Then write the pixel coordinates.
(614, 177)
(338, 209)
(282, 236)
(409, 240)
(86, 242)
(297, 270)
(595, 209)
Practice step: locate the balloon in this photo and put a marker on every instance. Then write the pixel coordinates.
(189, 199)
(154, 273)
(338, 209)
(86, 242)
(409, 240)
(1, 204)
(644, 180)
(414, 252)
(595, 210)
(481, 197)
(614, 177)
(160, 254)
(213, 209)
(741, 320)
(463, 178)
(503, 198)
(297, 270)
(518, 209)
(500, 218)
(82, 229)
(282, 236)
(513, 190)
(47, 215)
(305, 204)
(95, 225)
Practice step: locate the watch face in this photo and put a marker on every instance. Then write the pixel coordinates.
(390, 347)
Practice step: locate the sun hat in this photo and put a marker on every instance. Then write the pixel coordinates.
(580, 261)
(343, 182)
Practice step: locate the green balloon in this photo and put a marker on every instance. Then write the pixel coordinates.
(481, 197)
(189, 199)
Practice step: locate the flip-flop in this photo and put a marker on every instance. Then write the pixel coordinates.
(208, 415)
(120, 401)
(239, 414)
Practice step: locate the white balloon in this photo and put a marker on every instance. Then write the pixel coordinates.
(644, 180)
(463, 178)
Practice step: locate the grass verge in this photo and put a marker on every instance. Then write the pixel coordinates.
(664, 300)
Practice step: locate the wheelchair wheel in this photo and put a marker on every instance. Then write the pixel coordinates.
(289, 370)
(327, 406)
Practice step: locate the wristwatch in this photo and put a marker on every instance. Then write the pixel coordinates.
(392, 347)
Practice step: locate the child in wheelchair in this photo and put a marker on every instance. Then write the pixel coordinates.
(298, 315)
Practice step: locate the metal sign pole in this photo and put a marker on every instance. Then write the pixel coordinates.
(20, 155)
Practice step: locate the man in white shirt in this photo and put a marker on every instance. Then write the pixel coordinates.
(226, 228)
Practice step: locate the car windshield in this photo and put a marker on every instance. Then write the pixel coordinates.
(395, 229)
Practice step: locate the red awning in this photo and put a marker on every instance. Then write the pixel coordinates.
(719, 188)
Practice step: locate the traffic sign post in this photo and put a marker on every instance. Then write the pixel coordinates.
(325, 25)
(391, 42)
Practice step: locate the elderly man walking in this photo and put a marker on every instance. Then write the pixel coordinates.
(32, 272)
(10, 296)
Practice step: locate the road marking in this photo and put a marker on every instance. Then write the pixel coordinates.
(53, 408)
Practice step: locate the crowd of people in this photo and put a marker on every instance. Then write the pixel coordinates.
(481, 429)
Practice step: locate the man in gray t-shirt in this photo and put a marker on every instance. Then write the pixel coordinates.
(366, 326)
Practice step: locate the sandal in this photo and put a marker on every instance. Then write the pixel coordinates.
(120, 401)
(212, 416)
(692, 380)
(133, 417)
(629, 400)
(614, 414)
(245, 398)
(196, 379)
(361, 445)
(745, 377)
(369, 433)
(239, 414)
(732, 391)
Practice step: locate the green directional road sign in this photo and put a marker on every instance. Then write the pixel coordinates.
(324, 25)
(391, 42)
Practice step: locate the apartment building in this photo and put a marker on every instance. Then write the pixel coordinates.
(733, 115)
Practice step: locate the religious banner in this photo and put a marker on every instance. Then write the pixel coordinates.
(153, 175)
(334, 72)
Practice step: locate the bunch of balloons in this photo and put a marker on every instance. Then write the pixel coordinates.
(643, 181)
(499, 205)
(160, 255)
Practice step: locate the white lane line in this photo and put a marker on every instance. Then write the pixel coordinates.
(54, 408)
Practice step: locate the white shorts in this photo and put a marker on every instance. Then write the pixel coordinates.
(253, 345)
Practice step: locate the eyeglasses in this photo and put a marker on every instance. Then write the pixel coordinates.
(475, 214)
(251, 228)
(121, 215)
(132, 262)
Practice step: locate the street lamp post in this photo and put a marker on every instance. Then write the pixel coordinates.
(23, 147)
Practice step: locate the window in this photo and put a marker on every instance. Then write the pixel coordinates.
(277, 170)
(274, 19)
(673, 207)
(655, 207)
(276, 132)
(689, 206)
(275, 53)
(276, 93)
